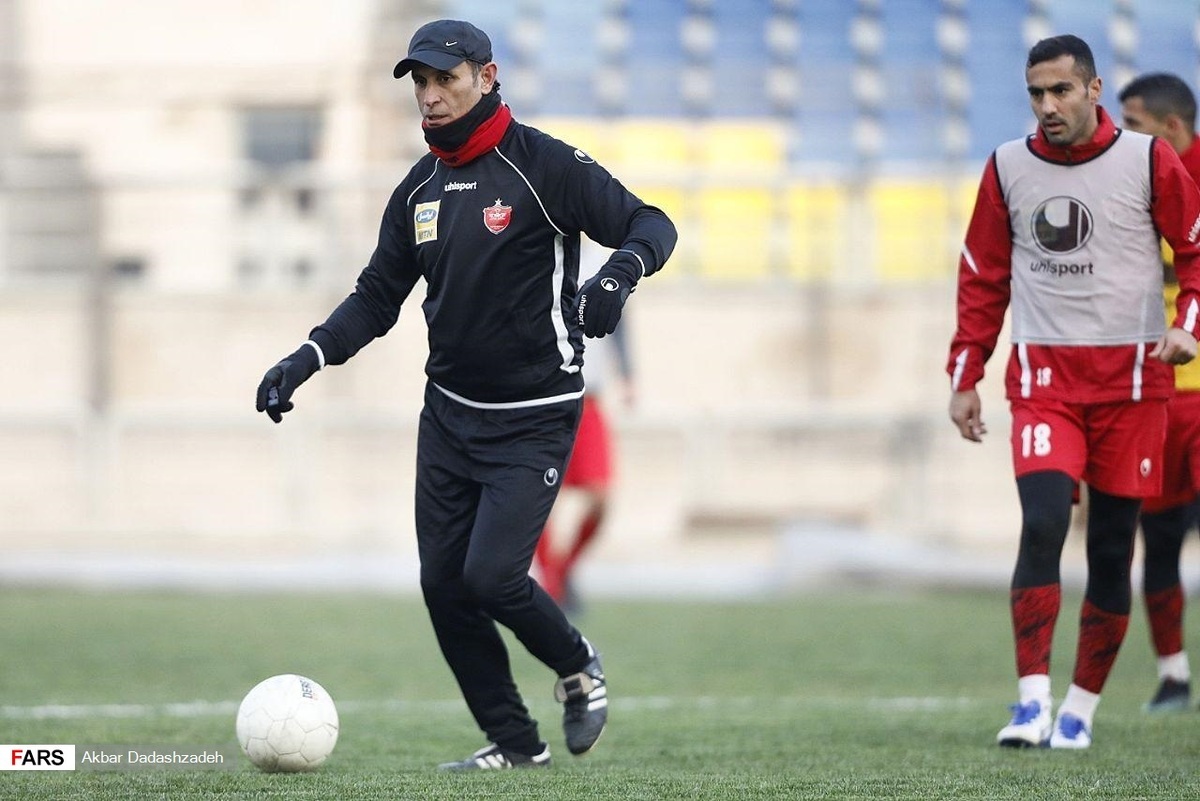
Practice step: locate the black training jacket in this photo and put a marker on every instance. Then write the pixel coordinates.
(497, 242)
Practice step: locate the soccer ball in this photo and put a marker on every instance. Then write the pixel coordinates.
(287, 723)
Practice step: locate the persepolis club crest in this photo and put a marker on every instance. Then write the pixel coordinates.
(497, 216)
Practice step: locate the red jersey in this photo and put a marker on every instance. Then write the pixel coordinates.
(1067, 236)
(1191, 158)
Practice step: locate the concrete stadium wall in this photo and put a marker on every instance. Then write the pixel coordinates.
(762, 412)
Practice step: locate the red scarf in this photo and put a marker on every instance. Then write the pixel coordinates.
(482, 139)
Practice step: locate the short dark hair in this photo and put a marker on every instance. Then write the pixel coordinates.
(1163, 93)
(1065, 45)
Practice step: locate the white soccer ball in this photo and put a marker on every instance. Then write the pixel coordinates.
(287, 723)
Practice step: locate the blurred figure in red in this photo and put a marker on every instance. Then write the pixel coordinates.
(1162, 105)
(608, 374)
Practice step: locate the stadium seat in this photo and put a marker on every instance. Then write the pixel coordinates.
(734, 171)
(597, 137)
(816, 219)
(734, 230)
(1165, 44)
(912, 111)
(655, 59)
(998, 109)
(1080, 18)
(740, 58)
(912, 237)
(571, 62)
(825, 114)
(651, 143)
(740, 145)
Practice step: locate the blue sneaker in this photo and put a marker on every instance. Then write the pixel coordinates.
(1029, 727)
(1070, 732)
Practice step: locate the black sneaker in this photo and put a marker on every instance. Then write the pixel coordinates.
(494, 757)
(584, 697)
(1172, 696)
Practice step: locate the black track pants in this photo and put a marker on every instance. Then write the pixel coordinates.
(486, 481)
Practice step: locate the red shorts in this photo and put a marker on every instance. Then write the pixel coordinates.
(1115, 447)
(1181, 455)
(591, 461)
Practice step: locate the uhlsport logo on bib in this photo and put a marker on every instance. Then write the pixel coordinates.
(1061, 225)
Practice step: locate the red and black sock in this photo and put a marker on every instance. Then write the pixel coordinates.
(1165, 610)
(1034, 613)
(1100, 636)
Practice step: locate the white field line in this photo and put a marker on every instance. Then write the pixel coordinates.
(650, 703)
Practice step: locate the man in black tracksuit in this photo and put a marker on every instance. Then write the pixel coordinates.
(491, 219)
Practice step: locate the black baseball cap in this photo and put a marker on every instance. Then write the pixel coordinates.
(444, 44)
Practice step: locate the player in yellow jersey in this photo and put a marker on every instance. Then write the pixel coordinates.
(1161, 104)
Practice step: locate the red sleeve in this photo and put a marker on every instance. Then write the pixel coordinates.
(1175, 205)
(984, 283)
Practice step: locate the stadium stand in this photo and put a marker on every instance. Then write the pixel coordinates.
(795, 253)
(816, 219)
(1080, 18)
(749, 157)
(998, 107)
(740, 58)
(747, 162)
(912, 111)
(736, 224)
(912, 237)
(575, 59)
(656, 58)
(1165, 43)
(825, 114)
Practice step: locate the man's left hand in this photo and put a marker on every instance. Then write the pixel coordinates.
(601, 298)
(1176, 347)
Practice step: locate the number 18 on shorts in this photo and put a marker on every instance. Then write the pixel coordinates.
(1114, 447)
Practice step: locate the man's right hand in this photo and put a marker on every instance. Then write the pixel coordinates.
(965, 411)
(275, 390)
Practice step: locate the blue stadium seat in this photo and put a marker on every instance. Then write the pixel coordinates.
(741, 58)
(913, 112)
(825, 115)
(1166, 39)
(656, 59)
(998, 109)
(570, 61)
(1089, 20)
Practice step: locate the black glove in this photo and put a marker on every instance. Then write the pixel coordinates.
(601, 298)
(275, 391)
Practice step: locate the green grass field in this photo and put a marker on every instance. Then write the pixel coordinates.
(866, 694)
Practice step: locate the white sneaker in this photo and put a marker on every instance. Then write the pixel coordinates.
(1029, 727)
(493, 757)
(1070, 732)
